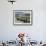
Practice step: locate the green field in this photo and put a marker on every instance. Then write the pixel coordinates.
(25, 19)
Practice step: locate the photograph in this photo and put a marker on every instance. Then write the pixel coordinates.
(22, 17)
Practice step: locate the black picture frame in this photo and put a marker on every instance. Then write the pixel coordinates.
(22, 17)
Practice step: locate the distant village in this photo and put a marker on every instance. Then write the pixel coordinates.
(20, 42)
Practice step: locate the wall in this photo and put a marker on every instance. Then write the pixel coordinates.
(37, 31)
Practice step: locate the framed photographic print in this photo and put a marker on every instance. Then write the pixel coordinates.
(22, 17)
